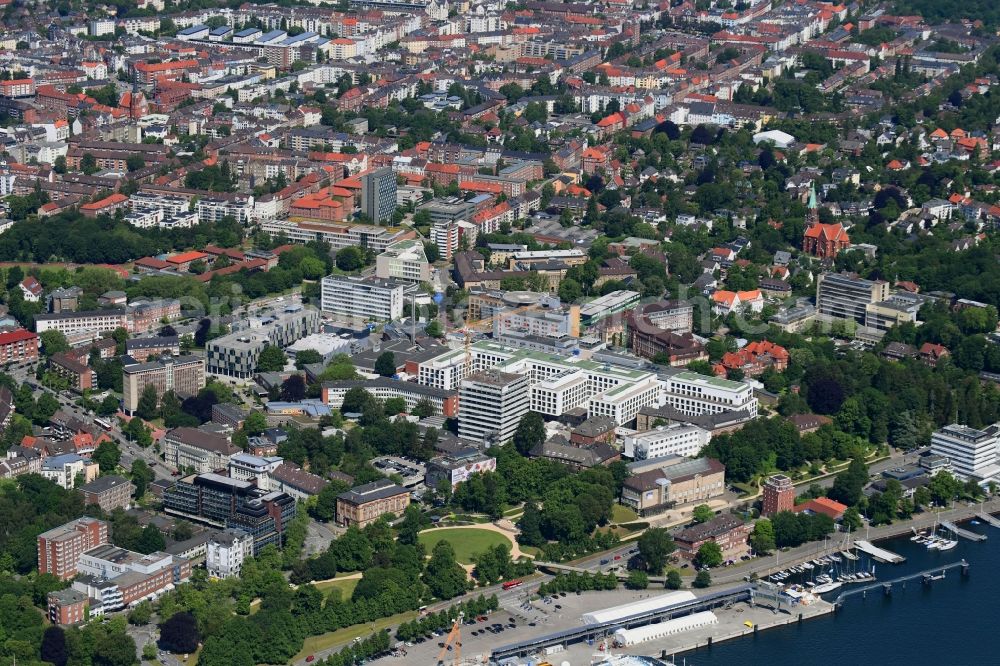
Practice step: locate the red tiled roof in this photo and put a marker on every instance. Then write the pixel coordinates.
(17, 335)
(834, 232)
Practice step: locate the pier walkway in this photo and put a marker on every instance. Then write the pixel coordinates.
(878, 554)
(987, 518)
(965, 534)
(926, 576)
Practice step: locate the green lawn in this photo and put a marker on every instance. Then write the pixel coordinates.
(531, 550)
(315, 644)
(345, 585)
(623, 514)
(466, 542)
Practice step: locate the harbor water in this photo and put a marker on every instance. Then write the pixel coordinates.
(949, 621)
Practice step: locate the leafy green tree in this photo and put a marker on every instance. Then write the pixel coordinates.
(54, 648)
(45, 409)
(413, 522)
(53, 342)
(385, 364)
(637, 580)
(88, 164)
(395, 406)
(655, 546)
(350, 259)
(703, 579)
(114, 649)
(702, 513)
(708, 555)
(139, 433)
(530, 526)
(135, 162)
(307, 357)
(434, 329)
(141, 614)
(423, 409)
(762, 537)
(444, 576)
(150, 540)
(530, 433)
(179, 633)
(673, 580)
(255, 423)
(325, 508)
(271, 359)
(108, 406)
(148, 406)
(849, 484)
(142, 476)
(107, 456)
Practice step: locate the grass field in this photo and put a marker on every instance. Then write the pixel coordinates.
(345, 585)
(466, 542)
(315, 644)
(622, 514)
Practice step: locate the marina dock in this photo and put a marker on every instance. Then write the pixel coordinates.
(965, 534)
(878, 554)
(988, 519)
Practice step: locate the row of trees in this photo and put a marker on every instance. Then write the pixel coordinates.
(426, 625)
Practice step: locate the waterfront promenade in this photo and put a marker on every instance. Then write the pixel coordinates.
(838, 541)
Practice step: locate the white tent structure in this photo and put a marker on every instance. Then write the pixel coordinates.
(650, 605)
(650, 632)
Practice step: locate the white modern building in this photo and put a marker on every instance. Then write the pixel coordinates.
(443, 372)
(405, 260)
(974, 454)
(351, 297)
(680, 439)
(226, 551)
(246, 467)
(623, 402)
(558, 382)
(695, 394)
(491, 404)
(560, 393)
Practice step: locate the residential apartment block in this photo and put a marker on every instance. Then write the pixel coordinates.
(845, 296)
(226, 551)
(190, 448)
(184, 375)
(60, 548)
(98, 321)
(108, 492)
(371, 299)
(18, 346)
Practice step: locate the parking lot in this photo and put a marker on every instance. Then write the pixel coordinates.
(516, 620)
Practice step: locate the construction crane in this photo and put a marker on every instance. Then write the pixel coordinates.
(471, 327)
(454, 636)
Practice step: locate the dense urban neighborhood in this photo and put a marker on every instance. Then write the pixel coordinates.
(332, 329)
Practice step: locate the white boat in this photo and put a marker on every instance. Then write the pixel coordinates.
(948, 545)
(827, 587)
(933, 543)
